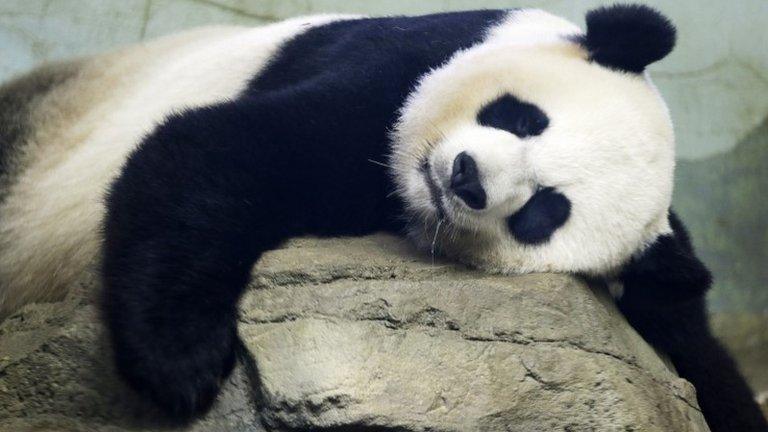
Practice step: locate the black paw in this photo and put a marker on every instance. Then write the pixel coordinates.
(668, 271)
(180, 373)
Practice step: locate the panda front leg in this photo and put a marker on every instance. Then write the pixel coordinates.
(664, 299)
(170, 309)
(190, 213)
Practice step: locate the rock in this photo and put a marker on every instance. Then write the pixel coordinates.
(365, 334)
(56, 374)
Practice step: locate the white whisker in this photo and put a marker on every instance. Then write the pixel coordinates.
(434, 240)
(379, 163)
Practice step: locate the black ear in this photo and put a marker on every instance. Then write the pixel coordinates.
(628, 37)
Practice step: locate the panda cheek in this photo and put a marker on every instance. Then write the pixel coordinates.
(545, 212)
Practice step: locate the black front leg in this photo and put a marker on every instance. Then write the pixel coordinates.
(171, 315)
(664, 300)
(185, 221)
(668, 271)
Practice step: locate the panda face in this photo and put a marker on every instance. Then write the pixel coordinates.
(529, 157)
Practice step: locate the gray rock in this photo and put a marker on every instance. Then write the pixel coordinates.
(56, 374)
(366, 334)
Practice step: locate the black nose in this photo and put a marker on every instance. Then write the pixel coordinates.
(465, 181)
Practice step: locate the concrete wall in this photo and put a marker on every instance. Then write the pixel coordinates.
(716, 81)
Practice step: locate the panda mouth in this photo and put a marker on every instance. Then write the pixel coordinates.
(434, 190)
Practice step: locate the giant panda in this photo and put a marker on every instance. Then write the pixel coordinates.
(510, 140)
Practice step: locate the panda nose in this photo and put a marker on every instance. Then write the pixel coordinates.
(465, 182)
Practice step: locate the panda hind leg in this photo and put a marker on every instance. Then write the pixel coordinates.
(663, 298)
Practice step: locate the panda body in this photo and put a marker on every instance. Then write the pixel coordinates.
(175, 164)
(81, 120)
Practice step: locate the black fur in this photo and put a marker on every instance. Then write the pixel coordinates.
(213, 188)
(513, 115)
(545, 212)
(664, 300)
(667, 271)
(628, 37)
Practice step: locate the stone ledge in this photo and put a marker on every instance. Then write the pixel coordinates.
(369, 335)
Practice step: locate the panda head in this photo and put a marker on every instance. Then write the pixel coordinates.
(544, 148)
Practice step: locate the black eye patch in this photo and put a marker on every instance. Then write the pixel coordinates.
(545, 212)
(513, 115)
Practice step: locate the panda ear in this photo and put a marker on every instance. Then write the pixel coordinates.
(628, 37)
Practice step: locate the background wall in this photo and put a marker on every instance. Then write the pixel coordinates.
(716, 83)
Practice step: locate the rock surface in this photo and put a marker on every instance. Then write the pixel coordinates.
(366, 335)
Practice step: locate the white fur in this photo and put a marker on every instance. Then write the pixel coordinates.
(609, 148)
(50, 221)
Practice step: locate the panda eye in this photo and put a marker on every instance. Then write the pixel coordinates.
(513, 115)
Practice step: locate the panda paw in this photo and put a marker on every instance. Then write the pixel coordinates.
(667, 271)
(182, 376)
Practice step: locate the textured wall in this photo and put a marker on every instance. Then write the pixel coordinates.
(716, 83)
